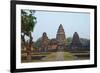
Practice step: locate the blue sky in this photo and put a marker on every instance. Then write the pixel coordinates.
(49, 21)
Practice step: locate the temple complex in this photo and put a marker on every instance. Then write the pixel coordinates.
(59, 43)
(55, 44)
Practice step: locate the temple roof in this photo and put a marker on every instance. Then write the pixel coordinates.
(76, 39)
(60, 29)
(53, 41)
(60, 26)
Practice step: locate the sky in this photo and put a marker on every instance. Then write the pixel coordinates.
(49, 21)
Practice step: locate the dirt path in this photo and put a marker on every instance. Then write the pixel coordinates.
(59, 56)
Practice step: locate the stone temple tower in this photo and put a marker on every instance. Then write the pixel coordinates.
(76, 41)
(44, 42)
(60, 37)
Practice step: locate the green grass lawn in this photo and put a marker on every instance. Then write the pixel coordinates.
(69, 56)
(51, 56)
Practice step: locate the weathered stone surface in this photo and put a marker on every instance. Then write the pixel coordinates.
(52, 45)
(60, 37)
(76, 41)
(44, 42)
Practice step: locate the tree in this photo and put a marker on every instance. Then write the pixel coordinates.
(69, 40)
(28, 21)
(85, 42)
(38, 43)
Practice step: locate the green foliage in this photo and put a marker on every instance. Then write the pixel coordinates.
(84, 41)
(28, 21)
(69, 40)
(38, 43)
(68, 56)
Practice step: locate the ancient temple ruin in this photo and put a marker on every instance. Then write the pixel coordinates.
(58, 43)
(52, 45)
(76, 41)
(61, 38)
(55, 44)
(44, 42)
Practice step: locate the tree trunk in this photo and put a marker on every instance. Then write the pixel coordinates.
(23, 41)
(29, 48)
